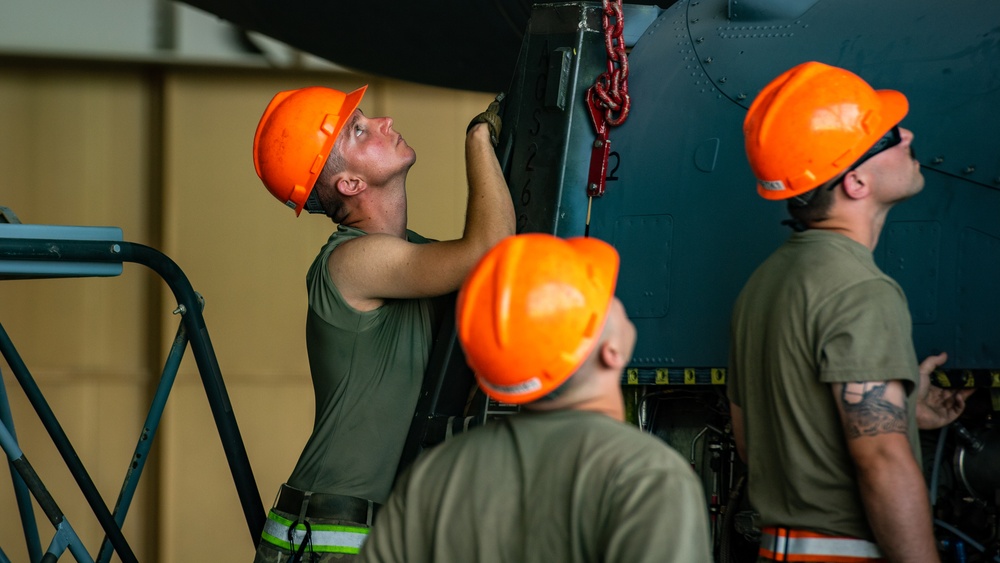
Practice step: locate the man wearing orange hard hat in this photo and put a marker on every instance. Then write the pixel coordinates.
(826, 394)
(371, 318)
(565, 479)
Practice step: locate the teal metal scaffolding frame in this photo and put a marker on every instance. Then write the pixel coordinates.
(40, 251)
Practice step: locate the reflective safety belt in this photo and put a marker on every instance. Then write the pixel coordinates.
(323, 538)
(784, 544)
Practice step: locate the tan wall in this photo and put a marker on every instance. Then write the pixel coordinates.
(165, 155)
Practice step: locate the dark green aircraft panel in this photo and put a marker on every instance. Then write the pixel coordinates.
(682, 207)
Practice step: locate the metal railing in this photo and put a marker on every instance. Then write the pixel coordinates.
(72, 257)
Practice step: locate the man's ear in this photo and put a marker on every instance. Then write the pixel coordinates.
(857, 185)
(348, 187)
(610, 354)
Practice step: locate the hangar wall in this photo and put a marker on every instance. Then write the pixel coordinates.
(164, 153)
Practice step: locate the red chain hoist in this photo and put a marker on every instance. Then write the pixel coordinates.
(608, 99)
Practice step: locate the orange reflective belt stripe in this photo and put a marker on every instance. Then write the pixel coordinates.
(784, 544)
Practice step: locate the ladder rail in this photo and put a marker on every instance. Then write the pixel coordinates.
(196, 334)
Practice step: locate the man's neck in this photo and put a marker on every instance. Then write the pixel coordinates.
(860, 224)
(380, 210)
(607, 401)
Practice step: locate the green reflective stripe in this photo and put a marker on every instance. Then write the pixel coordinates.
(325, 527)
(316, 548)
(325, 538)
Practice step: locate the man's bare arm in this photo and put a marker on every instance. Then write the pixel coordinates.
(892, 487)
(372, 268)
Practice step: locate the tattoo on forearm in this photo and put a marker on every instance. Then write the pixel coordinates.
(868, 412)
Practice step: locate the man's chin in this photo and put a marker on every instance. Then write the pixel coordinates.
(916, 190)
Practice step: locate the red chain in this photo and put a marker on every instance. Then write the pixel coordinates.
(607, 100)
(610, 90)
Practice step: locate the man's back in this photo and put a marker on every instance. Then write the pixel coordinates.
(817, 312)
(557, 486)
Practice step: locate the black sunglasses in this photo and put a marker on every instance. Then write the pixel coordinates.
(887, 141)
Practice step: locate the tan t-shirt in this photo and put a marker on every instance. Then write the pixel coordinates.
(817, 311)
(564, 486)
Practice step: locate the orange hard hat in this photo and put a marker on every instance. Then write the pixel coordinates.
(532, 310)
(295, 136)
(813, 122)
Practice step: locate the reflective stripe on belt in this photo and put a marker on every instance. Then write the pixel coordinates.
(325, 538)
(783, 544)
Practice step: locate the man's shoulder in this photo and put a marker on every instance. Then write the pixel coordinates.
(650, 448)
(324, 295)
(344, 234)
(626, 442)
(340, 236)
(614, 436)
(828, 262)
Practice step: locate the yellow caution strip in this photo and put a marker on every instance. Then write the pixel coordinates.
(674, 376)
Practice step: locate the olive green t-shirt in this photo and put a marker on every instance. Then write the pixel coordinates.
(367, 370)
(817, 311)
(566, 486)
